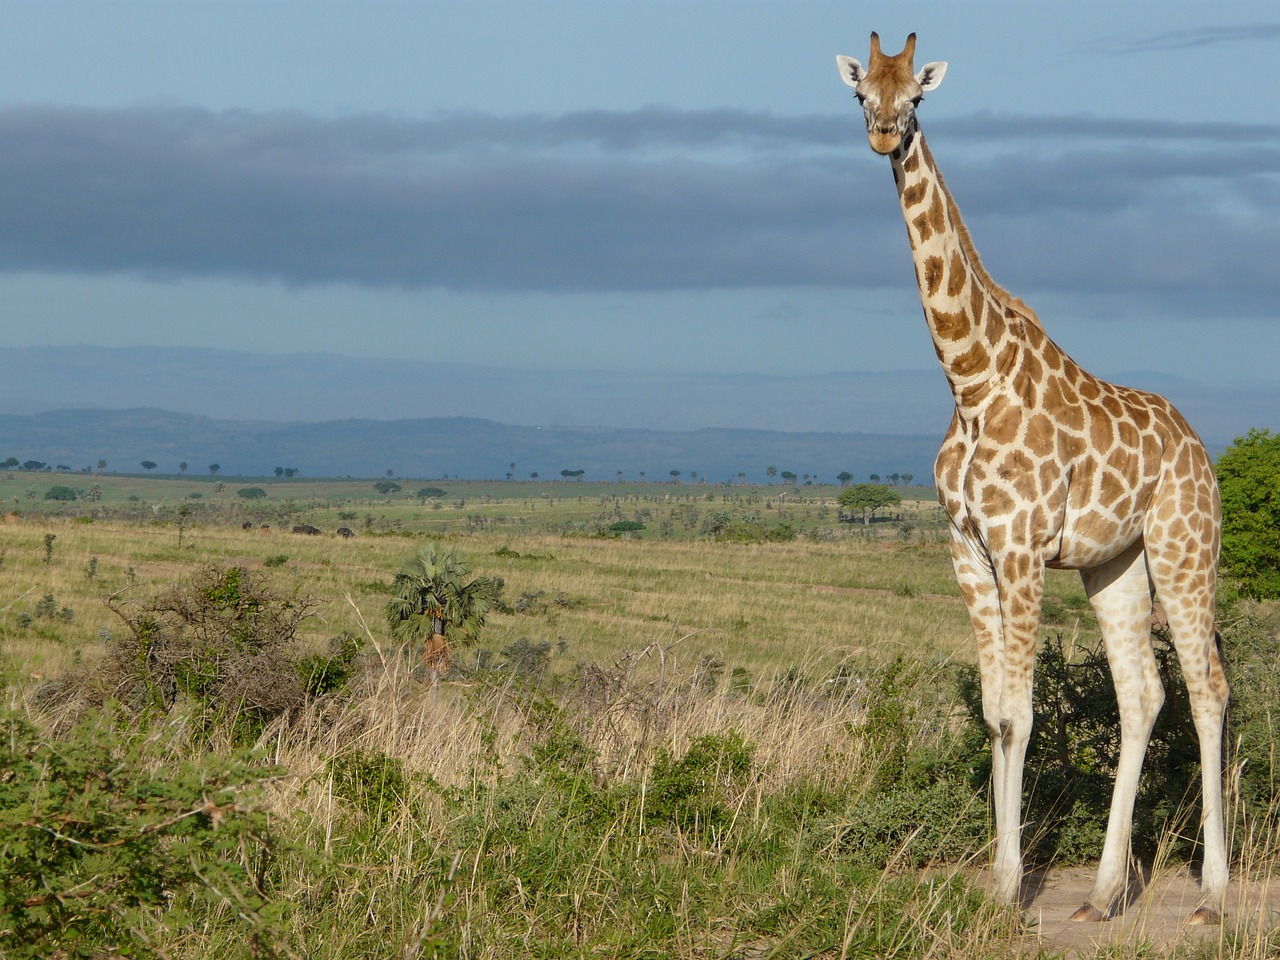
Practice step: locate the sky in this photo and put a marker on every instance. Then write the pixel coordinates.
(678, 188)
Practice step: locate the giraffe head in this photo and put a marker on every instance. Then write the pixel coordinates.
(889, 91)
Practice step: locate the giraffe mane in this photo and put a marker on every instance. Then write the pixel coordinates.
(1003, 296)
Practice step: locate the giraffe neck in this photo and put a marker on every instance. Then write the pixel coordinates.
(975, 325)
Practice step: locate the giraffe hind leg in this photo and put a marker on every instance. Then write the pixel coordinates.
(1120, 593)
(1185, 583)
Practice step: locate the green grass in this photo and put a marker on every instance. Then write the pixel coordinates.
(670, 746)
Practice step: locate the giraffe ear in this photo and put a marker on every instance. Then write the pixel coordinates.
(931, 74)
(851, 71)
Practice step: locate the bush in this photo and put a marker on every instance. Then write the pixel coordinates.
(251, 493)
(221, 639)
(1249, 478)
(107, 851)
(60, 493)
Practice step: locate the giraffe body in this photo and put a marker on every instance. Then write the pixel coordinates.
(1047, 466)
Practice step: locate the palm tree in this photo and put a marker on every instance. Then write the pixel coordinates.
(433, 600)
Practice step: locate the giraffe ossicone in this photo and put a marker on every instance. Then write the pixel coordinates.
(1045, 466)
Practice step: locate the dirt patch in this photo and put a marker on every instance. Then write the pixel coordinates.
(1158, 916)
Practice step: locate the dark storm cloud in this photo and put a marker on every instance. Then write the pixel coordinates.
(641, 200)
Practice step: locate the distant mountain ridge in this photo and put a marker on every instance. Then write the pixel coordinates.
(454, 446)
(238, 385)
(345, 416)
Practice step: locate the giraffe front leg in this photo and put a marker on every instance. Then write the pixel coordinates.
(1006, 703)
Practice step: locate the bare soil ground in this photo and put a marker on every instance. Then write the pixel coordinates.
(1158, 916)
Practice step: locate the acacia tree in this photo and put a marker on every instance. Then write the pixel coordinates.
(433, 600)
(864, 499)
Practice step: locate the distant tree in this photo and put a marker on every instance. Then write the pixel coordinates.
(907, 478)
(642, 476)
(788, 476)
(251, 493)
(386, 486)
(844, 476)
(390, 472)
(148, 465)
(102, 464)
(182, 467)
(429, 493)
(1249, 479)
(572, 474)
(534, 475)
(434, 601)
(619, 476)
(13, 462)
(59, 493)
(862, 500)
(512, 468)
(33, 465)
(291, 472)
(771, 472)
(875, 478)
(214, 468)
(894, 478)
(675, 476)
(742, 476)
(279, 471)
(693, 476)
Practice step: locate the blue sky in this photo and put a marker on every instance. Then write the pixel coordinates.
(676, 188)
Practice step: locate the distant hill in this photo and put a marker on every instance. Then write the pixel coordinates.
(455, 446)
(318, 387)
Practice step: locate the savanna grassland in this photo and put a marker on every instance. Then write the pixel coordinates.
(705, 721)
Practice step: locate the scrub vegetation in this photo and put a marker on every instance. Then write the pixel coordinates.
(743, 728)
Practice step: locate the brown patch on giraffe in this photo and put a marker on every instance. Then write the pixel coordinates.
(1003, 424)
(971, 361)
(932, 274)
(913, 194)
(937, 212)
(995, 502)
(1032, 368)
(950, 326)
(1101, 433)
(1089, 388)
(1129, 436)
(912, 163)
(992, 322)
(1040, 437)
(1006, 358)
(1112, 489)
(922, 231)
(957, 278)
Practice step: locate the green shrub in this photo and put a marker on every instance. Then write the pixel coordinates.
(696, 788)
(59, 492)
(251, 493)
(108, 853)
(1249, 478)
(276, 560)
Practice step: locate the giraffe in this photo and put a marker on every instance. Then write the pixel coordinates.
(1045, 466)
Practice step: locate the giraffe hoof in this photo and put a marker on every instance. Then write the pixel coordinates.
(1205, 917)
(1088, 914)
